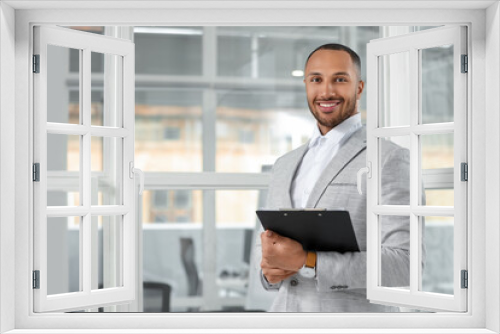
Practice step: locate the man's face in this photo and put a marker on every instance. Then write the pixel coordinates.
(332, 88)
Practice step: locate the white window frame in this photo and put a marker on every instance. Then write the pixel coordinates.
(484, 103)
(89, 294)
(412, 44)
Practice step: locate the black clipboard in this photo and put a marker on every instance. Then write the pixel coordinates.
(316, 230)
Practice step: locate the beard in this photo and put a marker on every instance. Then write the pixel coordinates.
(346, 110)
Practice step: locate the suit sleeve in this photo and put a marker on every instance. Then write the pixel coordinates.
(348, 270)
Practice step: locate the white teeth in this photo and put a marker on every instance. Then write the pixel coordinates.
(326, 105)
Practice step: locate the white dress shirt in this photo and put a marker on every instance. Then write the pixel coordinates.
(321, 150)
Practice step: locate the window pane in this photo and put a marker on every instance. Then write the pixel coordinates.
(63, 89)
(439, 197)
(168, 130)
(437, 84)
(63, 170)
(394, 170)
(106, 90)
(269, 52)
(172, 249)
(107, 252)
(255, 128)
(394, 92)
(168, 50)
(395, 251)
(235, 221)
(438, 271)
(437, 169)
(63, 254)
(107, 171)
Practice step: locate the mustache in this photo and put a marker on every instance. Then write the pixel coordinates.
(329, 99)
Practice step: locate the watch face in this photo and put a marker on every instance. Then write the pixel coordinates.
(307, 272)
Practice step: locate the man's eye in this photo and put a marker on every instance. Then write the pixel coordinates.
(341, 80)
(315, 79)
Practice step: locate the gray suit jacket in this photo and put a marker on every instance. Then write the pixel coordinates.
(340, 283)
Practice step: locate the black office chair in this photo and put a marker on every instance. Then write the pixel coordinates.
(187, 257)
(156, 288)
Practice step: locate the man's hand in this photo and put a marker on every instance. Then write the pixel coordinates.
(282, 257)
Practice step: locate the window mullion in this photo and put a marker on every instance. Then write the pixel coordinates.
(210, 296)
(85, 167)
(414, 169)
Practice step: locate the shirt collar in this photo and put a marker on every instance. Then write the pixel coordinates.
(336, 134)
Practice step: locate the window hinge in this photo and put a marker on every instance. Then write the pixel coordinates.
(464, 171)
(465, 64)
(36, 279)
(36, 63)
(36, 172)
(465, 279)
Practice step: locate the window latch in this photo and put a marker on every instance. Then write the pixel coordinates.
(132, 172)
(365, 170)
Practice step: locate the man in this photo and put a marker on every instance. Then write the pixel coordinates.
(322, 174)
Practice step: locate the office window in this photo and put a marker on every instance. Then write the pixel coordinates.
(256, 110)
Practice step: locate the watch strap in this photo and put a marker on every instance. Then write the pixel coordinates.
(311, 259)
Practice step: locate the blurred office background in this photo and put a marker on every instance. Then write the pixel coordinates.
(221, 103)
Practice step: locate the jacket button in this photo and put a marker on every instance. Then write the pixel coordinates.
(294, 282)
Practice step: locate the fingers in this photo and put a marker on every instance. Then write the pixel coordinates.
(275, 275)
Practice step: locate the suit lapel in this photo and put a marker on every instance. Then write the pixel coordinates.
(290, 171)
(346, 153)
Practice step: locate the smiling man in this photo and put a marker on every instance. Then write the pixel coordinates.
(322, 174)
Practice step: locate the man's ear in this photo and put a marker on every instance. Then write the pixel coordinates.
(359, 89)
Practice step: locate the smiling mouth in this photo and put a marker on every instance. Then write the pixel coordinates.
(329, 106)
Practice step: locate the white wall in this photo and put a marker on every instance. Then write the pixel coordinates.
(7, 160)
(492, 163)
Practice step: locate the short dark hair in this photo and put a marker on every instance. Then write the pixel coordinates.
(339, 47)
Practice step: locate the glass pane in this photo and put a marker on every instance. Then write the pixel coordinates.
(281, 52)
(106, 91)
(394, 93)
(168, 130)
(255, 128)
(395, 251)
(437, 169)
(63, 170)
(168, 50)
(107, 250)
(172, 206)
(437, 275)
(107, 171)
(437, 84)
(63, 90)
(439, 197)
(394, 169)
(173, 248)
(63, 254)
(235, 222)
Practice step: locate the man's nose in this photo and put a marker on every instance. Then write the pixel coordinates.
(328, 90)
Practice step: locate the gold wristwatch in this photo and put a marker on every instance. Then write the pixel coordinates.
(309, 268)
